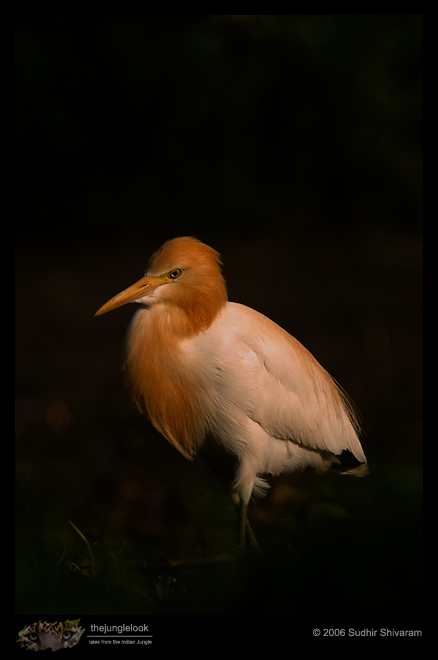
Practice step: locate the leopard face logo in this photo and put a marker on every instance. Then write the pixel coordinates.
(41, 636)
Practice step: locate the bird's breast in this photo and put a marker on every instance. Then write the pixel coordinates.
(170, 380)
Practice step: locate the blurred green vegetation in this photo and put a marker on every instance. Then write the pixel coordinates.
(292, 144)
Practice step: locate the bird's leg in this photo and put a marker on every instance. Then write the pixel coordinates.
(245, 531)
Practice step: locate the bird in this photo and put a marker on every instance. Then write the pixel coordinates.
(202, 367)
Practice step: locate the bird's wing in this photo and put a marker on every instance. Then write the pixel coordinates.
(292, 396)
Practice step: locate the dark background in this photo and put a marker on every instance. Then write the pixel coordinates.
(291, 144)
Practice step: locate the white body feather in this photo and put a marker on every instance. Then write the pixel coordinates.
(269, 400)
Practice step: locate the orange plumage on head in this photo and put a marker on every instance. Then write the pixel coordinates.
(203, 292)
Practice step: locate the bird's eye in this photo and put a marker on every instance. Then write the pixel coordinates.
(173, 274)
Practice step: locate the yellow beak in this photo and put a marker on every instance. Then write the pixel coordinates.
(140, 289)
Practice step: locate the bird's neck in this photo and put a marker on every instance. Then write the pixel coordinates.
(195, 311)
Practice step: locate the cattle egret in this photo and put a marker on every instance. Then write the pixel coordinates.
(199, 365)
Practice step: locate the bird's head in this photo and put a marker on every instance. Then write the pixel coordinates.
(185, 273)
